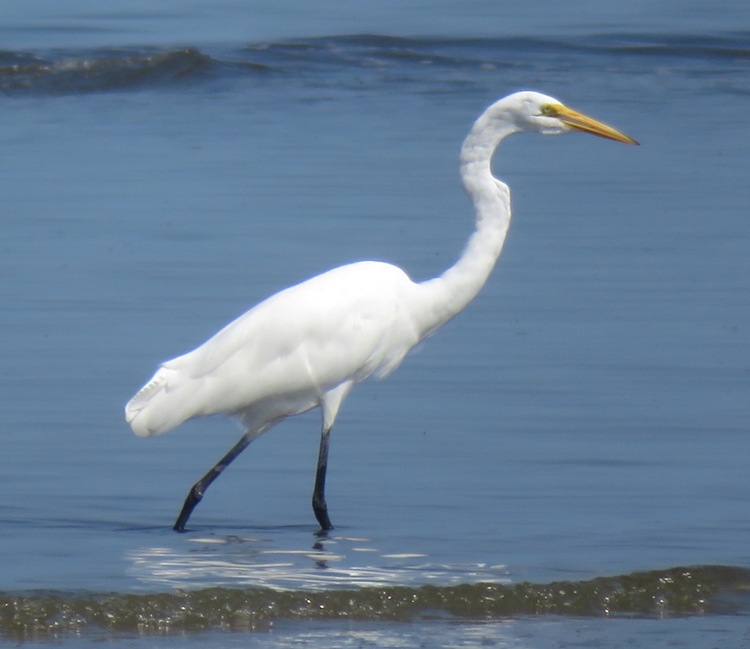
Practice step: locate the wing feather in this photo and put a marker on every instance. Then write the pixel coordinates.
(282, 356)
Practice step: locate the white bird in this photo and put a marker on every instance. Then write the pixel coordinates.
(308, 345)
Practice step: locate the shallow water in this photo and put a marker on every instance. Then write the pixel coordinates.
(587, 415)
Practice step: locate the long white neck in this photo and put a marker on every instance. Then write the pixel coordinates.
(445, 296)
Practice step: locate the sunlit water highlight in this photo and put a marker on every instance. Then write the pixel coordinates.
(333, 562)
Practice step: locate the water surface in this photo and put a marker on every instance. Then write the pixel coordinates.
(586, 417)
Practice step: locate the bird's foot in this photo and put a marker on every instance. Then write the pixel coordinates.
(321, 513)
(193, 498)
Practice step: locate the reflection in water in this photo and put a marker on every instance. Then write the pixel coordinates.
(334, 561)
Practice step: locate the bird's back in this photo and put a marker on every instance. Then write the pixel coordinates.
(282, 356)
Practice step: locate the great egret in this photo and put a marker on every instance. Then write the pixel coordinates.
(308, 345)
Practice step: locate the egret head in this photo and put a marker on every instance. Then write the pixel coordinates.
(533, 111)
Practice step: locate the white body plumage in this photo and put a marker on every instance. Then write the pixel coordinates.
(289, 353)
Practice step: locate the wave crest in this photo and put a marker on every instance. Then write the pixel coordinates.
(60, 72)
(672, 592)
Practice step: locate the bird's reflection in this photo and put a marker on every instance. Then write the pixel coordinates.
(319, 547)
(331, 561)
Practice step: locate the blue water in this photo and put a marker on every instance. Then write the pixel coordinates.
(165, 169)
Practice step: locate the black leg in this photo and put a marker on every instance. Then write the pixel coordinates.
(199, 488)
(319, 497)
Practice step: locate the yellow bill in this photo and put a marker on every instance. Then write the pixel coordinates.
(580, 122)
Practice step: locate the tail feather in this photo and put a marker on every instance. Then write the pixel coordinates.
(154, 410)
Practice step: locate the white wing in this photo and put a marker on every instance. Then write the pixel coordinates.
(281, 357)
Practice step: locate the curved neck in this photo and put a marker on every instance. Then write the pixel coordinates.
(445, 296)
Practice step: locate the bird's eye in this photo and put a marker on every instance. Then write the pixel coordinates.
(548, 110)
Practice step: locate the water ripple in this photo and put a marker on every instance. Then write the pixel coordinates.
(331, 563)
(382, 57)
